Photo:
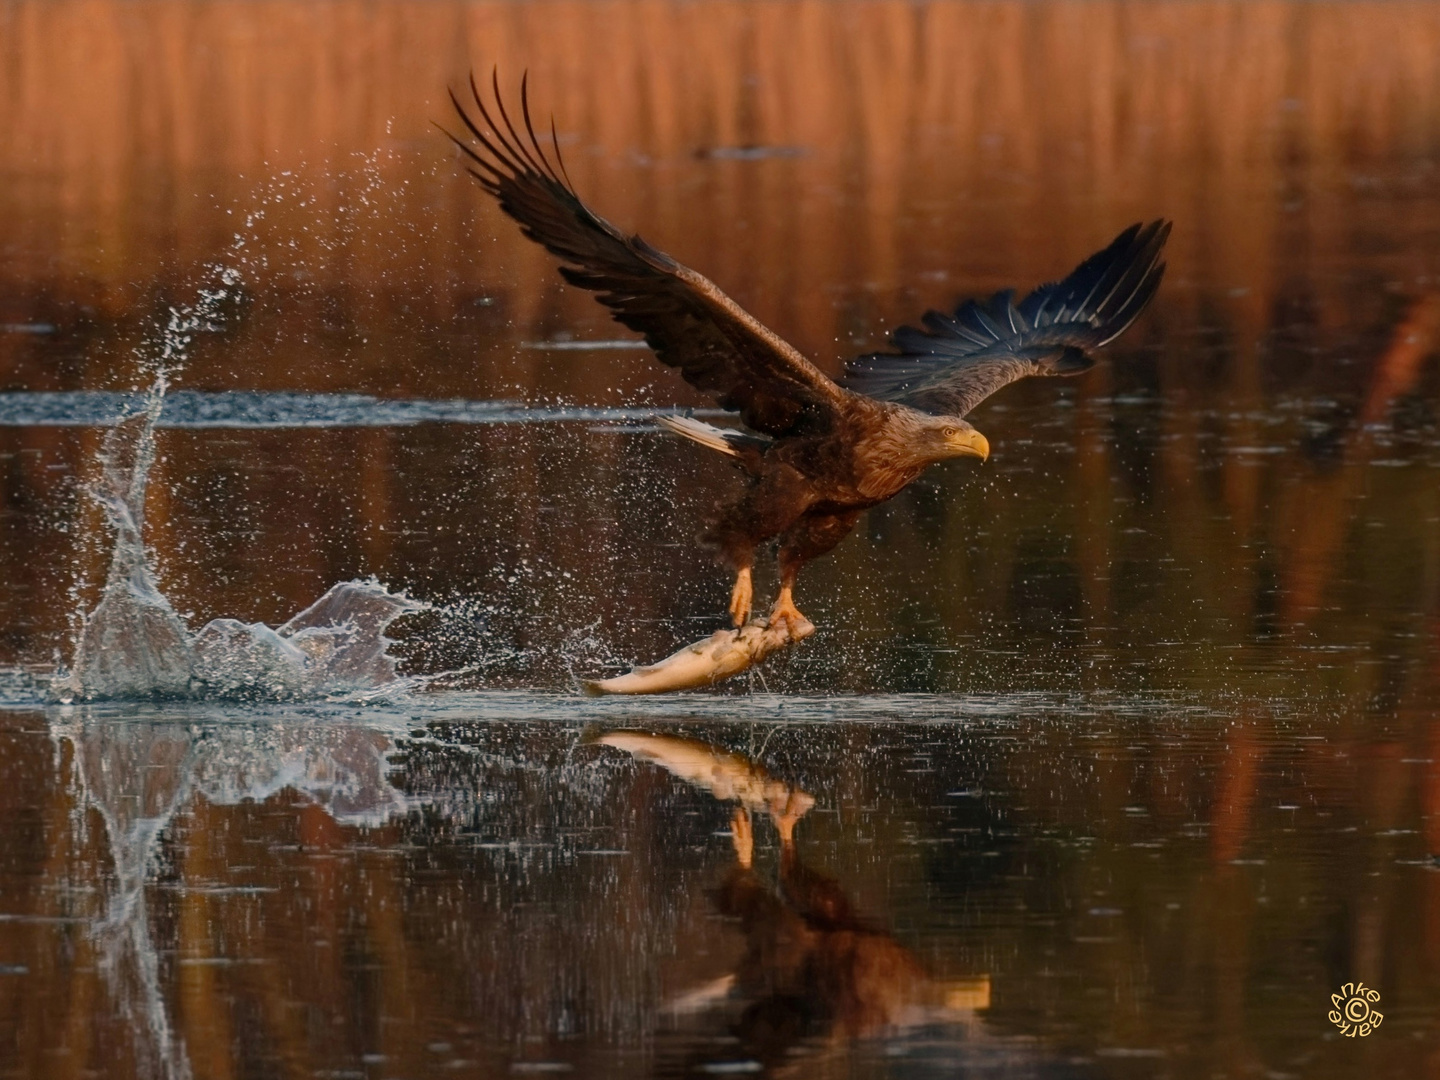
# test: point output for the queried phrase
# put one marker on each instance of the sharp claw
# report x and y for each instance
(739, 613)
(740, 598)
(786, 611)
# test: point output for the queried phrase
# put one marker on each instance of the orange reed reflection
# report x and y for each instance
(1319, 510)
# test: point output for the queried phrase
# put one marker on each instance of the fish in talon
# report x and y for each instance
(707, 661)
(786, 611)
(816, 452)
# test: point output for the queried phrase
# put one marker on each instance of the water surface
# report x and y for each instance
(988, 886)
(1121, 746)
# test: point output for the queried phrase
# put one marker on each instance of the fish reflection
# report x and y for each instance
(139, 776)
(816, 974)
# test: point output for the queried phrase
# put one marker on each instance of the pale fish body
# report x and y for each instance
(719, 656)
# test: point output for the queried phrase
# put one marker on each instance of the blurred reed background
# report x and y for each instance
(936, 148)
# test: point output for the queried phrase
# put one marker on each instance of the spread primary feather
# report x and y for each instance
(818, 452)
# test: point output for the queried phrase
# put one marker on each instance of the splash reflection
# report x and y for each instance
(137, 777)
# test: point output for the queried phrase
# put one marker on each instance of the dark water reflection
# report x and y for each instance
(994, 887)
(1130, 761)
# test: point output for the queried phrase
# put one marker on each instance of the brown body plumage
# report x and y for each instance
(819, 452)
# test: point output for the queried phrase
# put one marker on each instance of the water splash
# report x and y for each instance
(134, 646)
(584, 650)
(335, 646)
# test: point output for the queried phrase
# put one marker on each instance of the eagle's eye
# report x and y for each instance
(951, 432)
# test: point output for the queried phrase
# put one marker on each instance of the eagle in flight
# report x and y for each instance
(818, 452)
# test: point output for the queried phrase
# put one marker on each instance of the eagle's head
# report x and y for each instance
(948, 436)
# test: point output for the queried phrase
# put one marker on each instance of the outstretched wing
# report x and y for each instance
(959, 360)
(691, 324)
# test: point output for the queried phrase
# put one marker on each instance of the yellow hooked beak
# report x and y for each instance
(970, 444)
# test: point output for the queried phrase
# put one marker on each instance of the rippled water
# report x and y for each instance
(242, 409)
(1114, 756)
(983, 886)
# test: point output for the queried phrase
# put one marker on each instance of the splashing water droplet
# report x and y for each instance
(134, 645)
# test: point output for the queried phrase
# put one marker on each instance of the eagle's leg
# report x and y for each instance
(742, 596)
(808, 538)
(784, 608)
(773, 504)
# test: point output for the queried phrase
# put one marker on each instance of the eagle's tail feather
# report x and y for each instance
(727, 442)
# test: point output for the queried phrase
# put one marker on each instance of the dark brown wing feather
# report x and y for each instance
(959, 360)
(691, 324)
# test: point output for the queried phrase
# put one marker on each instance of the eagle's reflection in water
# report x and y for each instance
(815, 974)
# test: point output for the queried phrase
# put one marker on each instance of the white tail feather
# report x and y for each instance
(699, 431)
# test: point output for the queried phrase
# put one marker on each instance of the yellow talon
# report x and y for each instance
(785, 609)
(741, 597)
